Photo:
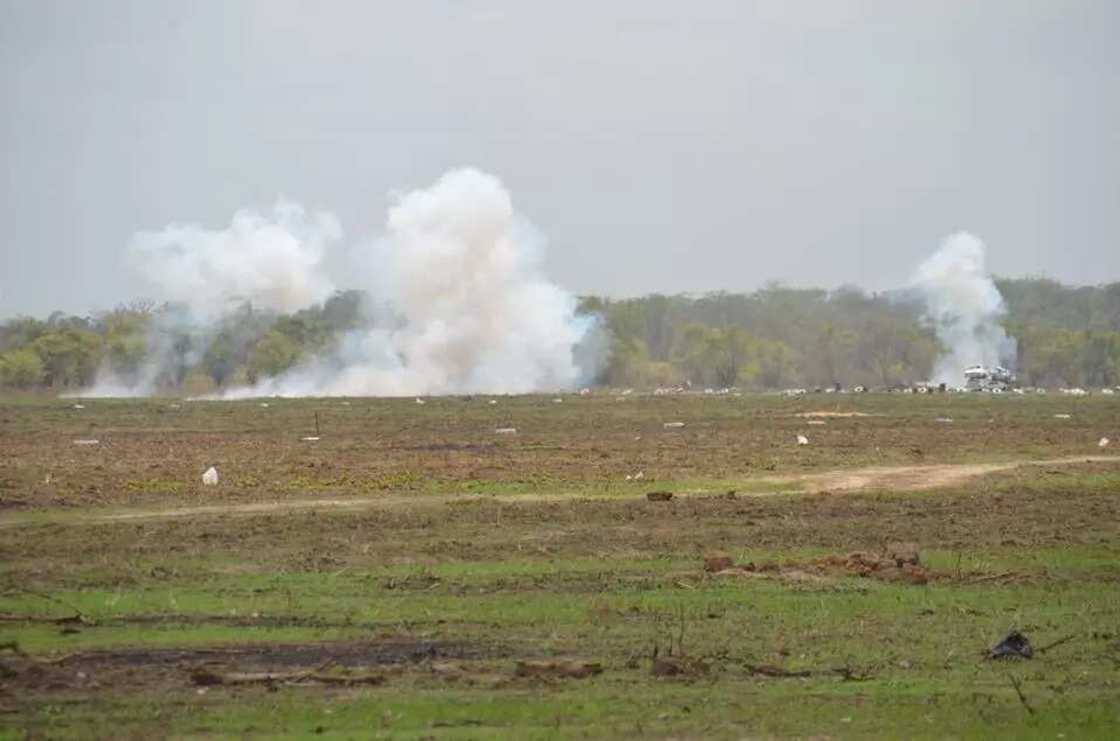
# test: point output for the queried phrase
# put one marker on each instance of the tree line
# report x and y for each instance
(776, 337)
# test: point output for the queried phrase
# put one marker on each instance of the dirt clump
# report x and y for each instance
(714, 564)
(564, 669)
(900, 564)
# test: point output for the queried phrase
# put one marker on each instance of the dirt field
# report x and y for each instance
(415, 573)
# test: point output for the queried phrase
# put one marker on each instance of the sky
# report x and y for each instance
(659, 146)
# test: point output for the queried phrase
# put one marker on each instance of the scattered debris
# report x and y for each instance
(570, 669)
(210, 478)
(1014, 645)
(78, 406)
(557, 400)
(900, 564)
(815, 422)
(506, 431)
(76, 619)
(419, 401)
(810, 415)
(1062, 416)
(86, 442)
(659, 496)
(263, 405)
(1103, 443)
(945, 420)
(636, 477)
(802, 440)
(777, 672)
(206, 678)
(310, 439)
(672, 425)
(493, 401)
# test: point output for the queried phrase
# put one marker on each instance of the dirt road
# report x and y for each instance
(881, 478)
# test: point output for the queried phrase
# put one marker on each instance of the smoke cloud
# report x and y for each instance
(965, 308)
(275, 262)
(457, 299)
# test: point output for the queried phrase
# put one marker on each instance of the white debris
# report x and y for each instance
(493, 401)
(176, 406)
(264, 405)
(672, 425)
(945, 420)
(78, 406)
(344, 403)
(815, 422)
(506, 431)
(1103, 442)
(1062, 416)
(210, 478)
(585, 392)
(636, 477)
(1075, 391)
(86, 442)
(802, 440)
(310, 439)
(419, 401)
(47, 479)
(557, 400)
(1107, 392)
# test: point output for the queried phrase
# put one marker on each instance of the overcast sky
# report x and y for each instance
(659, 145)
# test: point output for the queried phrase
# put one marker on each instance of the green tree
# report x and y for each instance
(274, 354)
(21, 369)
(70, 356)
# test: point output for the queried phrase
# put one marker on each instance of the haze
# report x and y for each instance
(659, 146)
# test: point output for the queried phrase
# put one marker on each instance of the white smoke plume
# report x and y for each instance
(474, 313)
(462, 304)
(965, 308)
(274, 262)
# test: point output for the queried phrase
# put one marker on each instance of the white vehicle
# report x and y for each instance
(996, 378)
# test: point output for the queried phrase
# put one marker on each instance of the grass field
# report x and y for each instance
(415, 574)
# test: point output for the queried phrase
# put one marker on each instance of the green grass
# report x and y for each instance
(599, 573)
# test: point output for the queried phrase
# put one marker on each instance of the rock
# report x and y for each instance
(1014, 646)
(802, 440)
(210, 478)
(659, 496)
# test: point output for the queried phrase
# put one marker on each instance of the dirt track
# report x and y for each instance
(893, 478)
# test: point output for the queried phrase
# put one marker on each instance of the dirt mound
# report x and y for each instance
(898, 564)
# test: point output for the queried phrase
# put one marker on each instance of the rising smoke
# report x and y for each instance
(965, 307)
(463, 305)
